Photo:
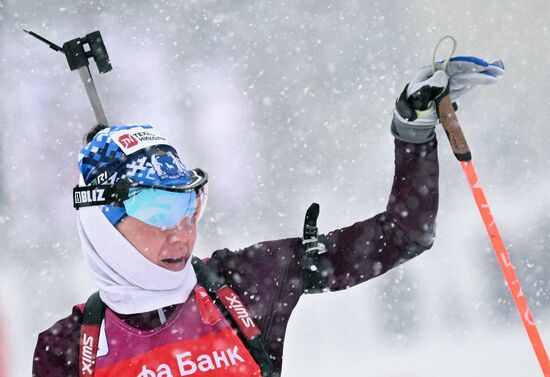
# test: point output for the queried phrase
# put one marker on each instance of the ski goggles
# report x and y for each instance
(160, 206)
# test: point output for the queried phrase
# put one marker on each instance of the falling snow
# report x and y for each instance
(286, 103)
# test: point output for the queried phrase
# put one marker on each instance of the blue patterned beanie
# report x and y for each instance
(136, 152)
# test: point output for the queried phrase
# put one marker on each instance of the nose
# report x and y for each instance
(179, 233)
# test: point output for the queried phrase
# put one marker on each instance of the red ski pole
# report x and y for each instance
(462, 153)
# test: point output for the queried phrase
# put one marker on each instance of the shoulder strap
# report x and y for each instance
(94, 312)
(315, 278)
(237, 313)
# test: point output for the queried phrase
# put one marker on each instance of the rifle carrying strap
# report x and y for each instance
(94, 312)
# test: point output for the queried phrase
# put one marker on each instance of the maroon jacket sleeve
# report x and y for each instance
(56, 352)
(407, 228)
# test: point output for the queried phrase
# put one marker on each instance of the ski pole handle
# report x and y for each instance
(446, 112)
(452, 128)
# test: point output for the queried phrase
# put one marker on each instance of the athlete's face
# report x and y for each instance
(168, 248)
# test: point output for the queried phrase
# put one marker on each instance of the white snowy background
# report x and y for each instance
(285, 103)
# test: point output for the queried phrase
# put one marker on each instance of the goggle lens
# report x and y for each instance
(165, 209)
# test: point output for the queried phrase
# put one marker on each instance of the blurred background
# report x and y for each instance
(285, 103)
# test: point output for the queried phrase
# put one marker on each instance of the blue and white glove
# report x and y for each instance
(467, 72)
(415, 115)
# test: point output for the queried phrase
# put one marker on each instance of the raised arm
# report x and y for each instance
(404, 230)
(407, 227)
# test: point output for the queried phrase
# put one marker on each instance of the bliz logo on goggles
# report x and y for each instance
(90, 196)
